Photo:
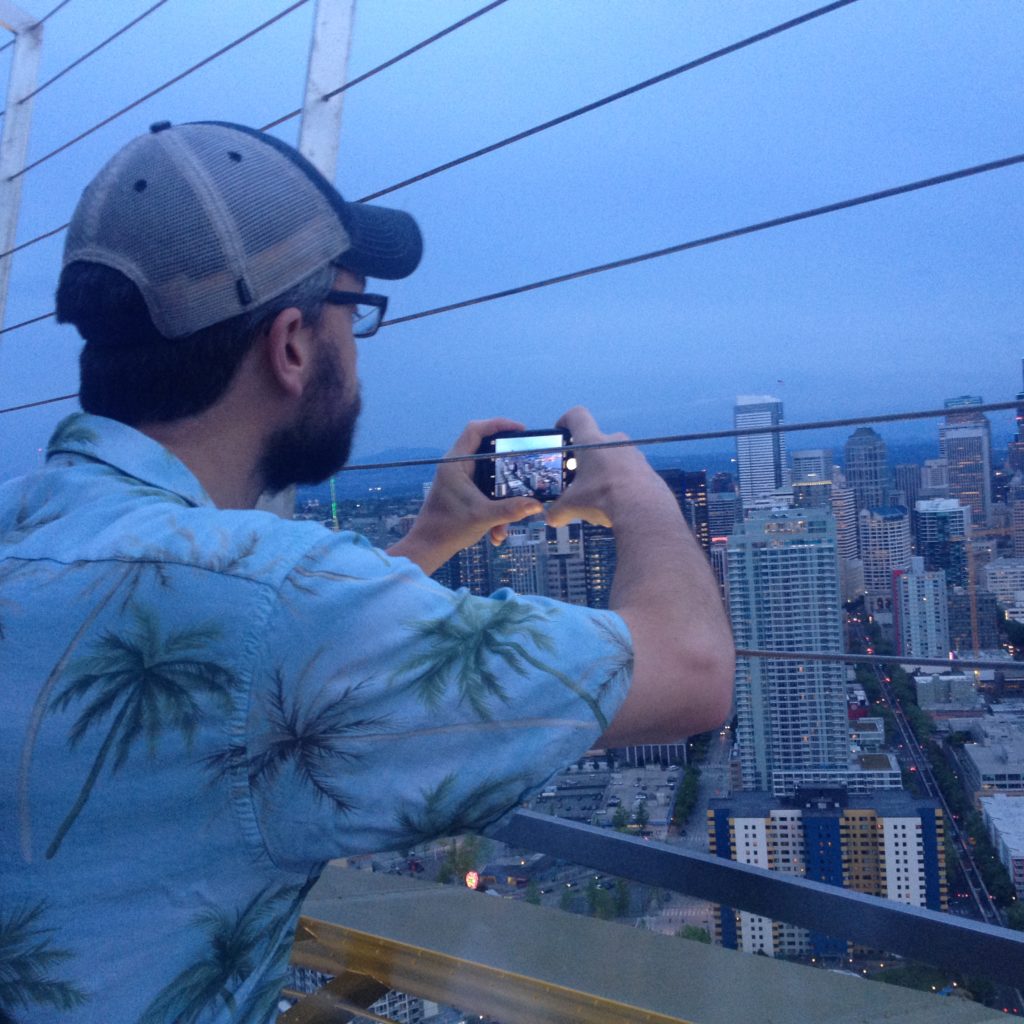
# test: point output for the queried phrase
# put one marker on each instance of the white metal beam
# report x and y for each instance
(328, 66)
(13, 18)
(15, 133)
(321, 127)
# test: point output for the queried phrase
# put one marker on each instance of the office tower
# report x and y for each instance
(884, 549)
(540, 559)
(470, 568)
(599, 561)
(723, 512)
(965, 442)
(783, 578)
(934, 479)
(1015, 499)
(691, 493)
(942, 528)
(812, 477)
(866, 468)
(844, 511)
(1015, 452)
(972, 620)
(760, 458)
(719, 556)
(921, 615)
(565, 577)
(906, 485)
(882, 844)
(1004, 578)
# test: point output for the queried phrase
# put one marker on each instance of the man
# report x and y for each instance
(203, 703)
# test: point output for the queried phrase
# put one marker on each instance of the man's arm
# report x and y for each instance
(457, 513)
(663, 588)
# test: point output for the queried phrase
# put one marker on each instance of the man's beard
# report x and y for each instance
(317, 444)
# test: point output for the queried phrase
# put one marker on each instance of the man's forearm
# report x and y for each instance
(665, 591)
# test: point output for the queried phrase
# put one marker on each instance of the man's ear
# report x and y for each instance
(289, 348)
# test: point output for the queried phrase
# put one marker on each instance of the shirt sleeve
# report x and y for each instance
(389, 710)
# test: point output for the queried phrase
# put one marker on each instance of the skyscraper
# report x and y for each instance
(866, 468)
(884, 549)
(784, 595)
(965, 442)
(761, 458)
(691, 492)
(907, 485)
(812, 477)
(1015, 451)
(941, 529)
(844, 511)
(599, 561)
(921, 616)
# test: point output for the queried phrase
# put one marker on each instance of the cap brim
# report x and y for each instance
(385, 243)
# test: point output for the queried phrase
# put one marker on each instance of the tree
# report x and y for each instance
(642, 817)
(149, 684)
(692, 932)
(532, 893)
(623, 895)
(620, 819)
(461, 857)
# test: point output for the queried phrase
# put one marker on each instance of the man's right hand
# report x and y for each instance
(608, 480)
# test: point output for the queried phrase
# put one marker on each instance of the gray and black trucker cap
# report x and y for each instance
(211, 219)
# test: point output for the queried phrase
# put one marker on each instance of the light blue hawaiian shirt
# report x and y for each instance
(199, 707)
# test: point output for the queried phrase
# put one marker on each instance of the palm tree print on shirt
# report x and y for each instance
(464, 648)
(238, 942)
(443, 812)
(312, 737)
(27, 957)
(150, 684)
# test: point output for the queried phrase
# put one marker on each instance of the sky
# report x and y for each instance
(891, 306)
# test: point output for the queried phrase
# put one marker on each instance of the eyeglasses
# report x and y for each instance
(367, 310)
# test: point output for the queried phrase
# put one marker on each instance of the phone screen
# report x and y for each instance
(526, 475)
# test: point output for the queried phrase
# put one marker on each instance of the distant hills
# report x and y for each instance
(353, 483)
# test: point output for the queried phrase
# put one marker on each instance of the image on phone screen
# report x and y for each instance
(527, 475)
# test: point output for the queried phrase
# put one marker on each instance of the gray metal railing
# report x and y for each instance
(944, 940)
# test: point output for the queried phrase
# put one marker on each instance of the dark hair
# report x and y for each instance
(132, 373)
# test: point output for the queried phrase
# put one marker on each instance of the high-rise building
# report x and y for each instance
(941, 531)
(866, 467)
(844, 511)
(883, 844)
(783, 577)
(540, 559)
(906, 486)
(965, 442)
(691, 492)
(761, 458)
(812, 477)
(921, 615)
(972, 620)
(1015, 451)
(724, 511)
(884, 549)
(599, 561)
(470, 568)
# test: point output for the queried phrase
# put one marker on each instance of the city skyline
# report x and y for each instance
(860, 312)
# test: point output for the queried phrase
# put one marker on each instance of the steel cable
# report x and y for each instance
(764, 225)
(159, 89)
(85, 56)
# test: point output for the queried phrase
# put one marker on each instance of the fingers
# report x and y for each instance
(475, 431)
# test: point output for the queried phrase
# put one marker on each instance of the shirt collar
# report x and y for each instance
(127, 450)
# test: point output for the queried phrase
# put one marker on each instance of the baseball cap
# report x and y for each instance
(212, 219)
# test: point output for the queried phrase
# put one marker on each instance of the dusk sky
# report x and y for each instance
(891, 306)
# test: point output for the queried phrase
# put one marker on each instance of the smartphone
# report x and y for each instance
(542, 476)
